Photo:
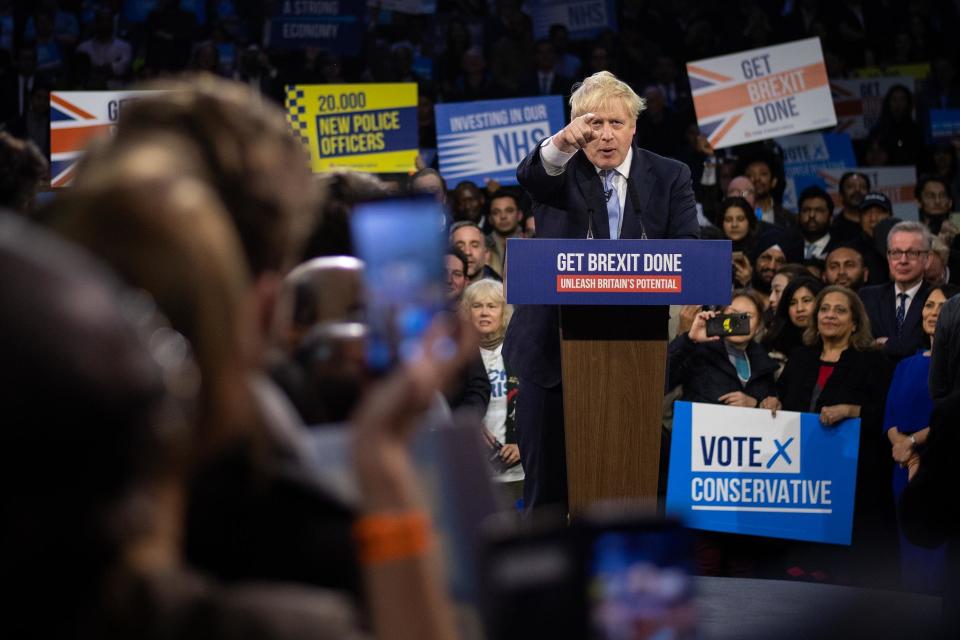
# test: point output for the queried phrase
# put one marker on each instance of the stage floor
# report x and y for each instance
(739, 608)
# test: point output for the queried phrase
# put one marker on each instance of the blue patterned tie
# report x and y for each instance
(613, 202)
(901, 313)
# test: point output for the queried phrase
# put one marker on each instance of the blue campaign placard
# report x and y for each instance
(944, 124)
(807, 155)
(333, 25)
(618, 272)
(739, 470)
(584, 19)
(487, 139)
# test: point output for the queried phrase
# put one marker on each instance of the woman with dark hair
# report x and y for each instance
(906, 425)
(897, 132)
(792, 316)
(738, 223)
(837, 374)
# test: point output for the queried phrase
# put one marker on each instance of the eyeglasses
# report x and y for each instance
(912, 254)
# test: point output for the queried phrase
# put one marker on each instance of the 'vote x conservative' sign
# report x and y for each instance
(741, 470)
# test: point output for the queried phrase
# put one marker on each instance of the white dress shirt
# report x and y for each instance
(555, 162)
(911, 294)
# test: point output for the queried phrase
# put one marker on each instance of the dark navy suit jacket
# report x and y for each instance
(659, 204)
(880, 303)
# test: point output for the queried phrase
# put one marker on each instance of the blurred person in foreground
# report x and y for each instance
(251, 514)
(906, 424)
(23, 171)
(486, 308)
(121, 481)
(838, 374)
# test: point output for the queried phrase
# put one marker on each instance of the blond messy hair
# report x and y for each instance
(599, 90)
(487, 290)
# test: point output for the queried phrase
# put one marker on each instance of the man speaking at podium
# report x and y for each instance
(589, 180)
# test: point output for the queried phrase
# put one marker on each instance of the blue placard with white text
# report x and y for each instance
(739, 470)
(584, 19)
(487, 139)
(618, 272)
(331, 25)
(805, 158)
(944, 124)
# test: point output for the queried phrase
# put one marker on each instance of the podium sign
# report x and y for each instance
(612, 297)
(618, 272)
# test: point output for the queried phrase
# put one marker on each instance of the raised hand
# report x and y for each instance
(576, 135)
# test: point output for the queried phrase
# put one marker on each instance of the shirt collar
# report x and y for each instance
(911, 292)
(624, 168)
(819, 243)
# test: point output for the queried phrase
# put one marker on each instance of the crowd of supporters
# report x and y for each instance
(202, 199)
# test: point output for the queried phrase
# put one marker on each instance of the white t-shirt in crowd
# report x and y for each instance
(495, 420)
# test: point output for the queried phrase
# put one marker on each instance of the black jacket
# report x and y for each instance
(861, 378)
(706, 373)
(659, 203)
(880, 304)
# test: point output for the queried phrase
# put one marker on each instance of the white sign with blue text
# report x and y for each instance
(487, 139)
(739, 470)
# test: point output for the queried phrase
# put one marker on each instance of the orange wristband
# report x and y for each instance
(383, 538)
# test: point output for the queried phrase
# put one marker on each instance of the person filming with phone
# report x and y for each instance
(719, 361)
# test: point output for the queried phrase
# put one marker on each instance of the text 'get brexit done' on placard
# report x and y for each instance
(618, 272)
(739, 470)
(762, 93)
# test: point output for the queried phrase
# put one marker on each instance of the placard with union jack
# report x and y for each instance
(75, 118)
(859, 101)
(762, 93)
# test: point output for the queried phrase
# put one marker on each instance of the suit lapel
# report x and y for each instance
(912, 318)
(592, 189)
(888, 310)
(640, 184)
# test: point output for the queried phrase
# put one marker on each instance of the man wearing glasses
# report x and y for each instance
(894, 308)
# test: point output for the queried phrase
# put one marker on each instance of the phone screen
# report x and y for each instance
(402, 244)
(639, 583)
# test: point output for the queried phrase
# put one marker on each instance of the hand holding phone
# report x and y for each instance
(742, 270)
(402, 246)
(728, 324)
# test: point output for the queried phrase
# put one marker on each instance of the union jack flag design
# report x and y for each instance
(761, 93)
(75, 118)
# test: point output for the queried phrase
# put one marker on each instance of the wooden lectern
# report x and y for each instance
(614, 365)
(613, 297)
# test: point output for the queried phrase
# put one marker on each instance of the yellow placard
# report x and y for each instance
(365, 127)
